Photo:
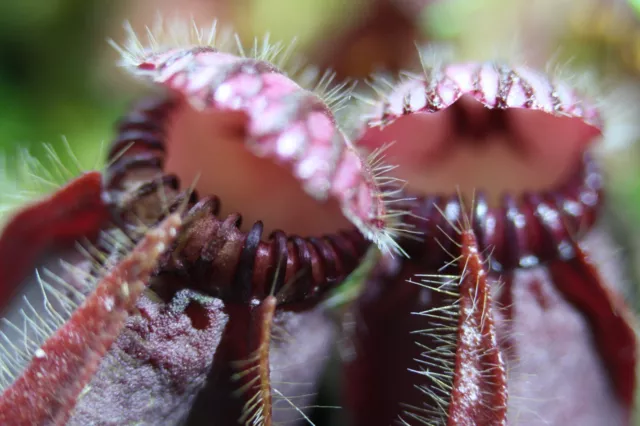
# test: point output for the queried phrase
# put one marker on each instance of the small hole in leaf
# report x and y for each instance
(198, 315)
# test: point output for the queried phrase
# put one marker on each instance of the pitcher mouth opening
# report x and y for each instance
(236, 252)
(286, 118)
(209, 149)
(510, 142)
(469, 147)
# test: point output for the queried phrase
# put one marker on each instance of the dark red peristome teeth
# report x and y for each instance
(214, 251)
(522, 232)
(143, 128)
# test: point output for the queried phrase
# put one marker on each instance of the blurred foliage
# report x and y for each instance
(46, 51)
